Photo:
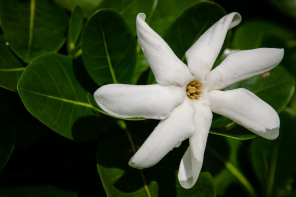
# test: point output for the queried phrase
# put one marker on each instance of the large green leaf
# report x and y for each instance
(121, 180)
(108, 48)
(275, 87)
(33, 27)
(75, 29)
(183, 33)
(274, 161)
(251, 34)
(10, 67)
(87, 6)
(29, 191)
(129, 9)
(51, 91)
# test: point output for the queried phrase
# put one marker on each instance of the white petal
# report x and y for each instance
(202, 55)
(168, 69)
(168, 134)
(246, 109)
(192, 160)
(146, 101)
(242, 65)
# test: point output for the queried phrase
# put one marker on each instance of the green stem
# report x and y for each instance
(123, 126)
(244, 181)
(272, 169)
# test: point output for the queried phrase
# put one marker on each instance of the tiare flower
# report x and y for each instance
(185, 96)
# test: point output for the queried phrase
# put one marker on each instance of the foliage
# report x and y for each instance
(55, 54)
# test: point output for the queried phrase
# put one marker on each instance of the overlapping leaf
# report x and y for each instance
(121, 180)
(51, 91)
(108, 48)
(33, 27)
(10, 67)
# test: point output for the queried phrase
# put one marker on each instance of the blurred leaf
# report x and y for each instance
(286, 6)
(50, 90)
(161, 180)
(275, 87)
(108, 48)
(7, 140)
(33, 27)
(87, 6)
(75, 29)
(250, 34)
(141, 66)
(30, 191)
(10, 67)
(186, 30)
(274, 161)
(130, 9)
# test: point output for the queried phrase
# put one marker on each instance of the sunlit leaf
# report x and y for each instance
(108, 48)
(10, 67)
(33, 27)
(51, 91)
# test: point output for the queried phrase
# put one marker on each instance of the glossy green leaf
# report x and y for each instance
(87, 6)
(10, 67)
(75, 29)
(130, 9)
(108, 48)
(274, 161)
(121, 180)
(42, 190)
(165, 12)
(33, 27)
(275, 87)
(251, 34)
(51, 91)
(191, 25)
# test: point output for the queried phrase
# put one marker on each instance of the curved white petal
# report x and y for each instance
(146, 101)
(168, 69)
(203, 53)
(168, 134)
(246, 109)
(242, 65)
(192, 160)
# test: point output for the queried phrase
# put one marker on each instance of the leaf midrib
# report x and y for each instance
(32, 24)
(60, 99)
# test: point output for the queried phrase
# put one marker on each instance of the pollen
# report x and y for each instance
(193, 90)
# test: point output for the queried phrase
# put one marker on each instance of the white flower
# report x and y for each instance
(185, 97)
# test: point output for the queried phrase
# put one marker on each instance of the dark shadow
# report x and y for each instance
(83, 77)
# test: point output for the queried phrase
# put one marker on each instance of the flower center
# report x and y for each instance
(193, 90)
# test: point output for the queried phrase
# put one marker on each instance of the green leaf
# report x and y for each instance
(108, 48)
(33, 27)
(275, 87)
(161, 180)
(130, 9)
(51, 91)
(274, 161)
(75, 29)
(87, 6)
(42, 190)
(165, 12)
(184, 32)
(250, 34)
(10, 67)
